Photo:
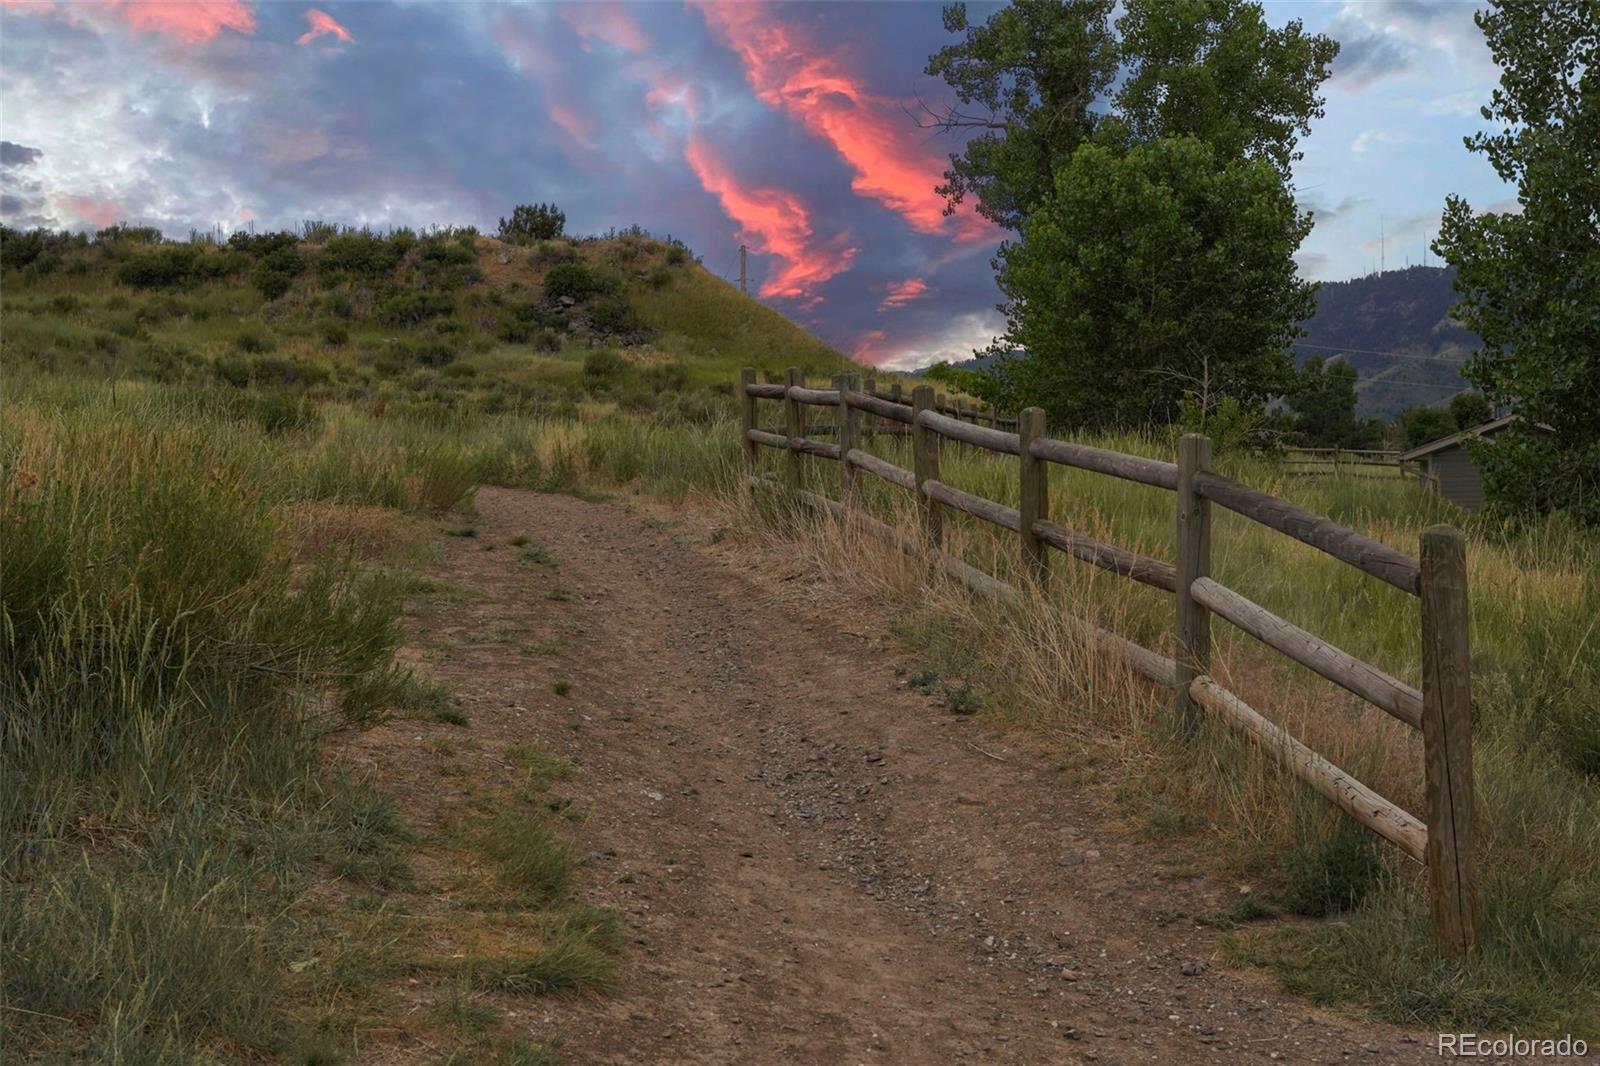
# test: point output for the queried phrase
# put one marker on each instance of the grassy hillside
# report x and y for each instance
(445, 323)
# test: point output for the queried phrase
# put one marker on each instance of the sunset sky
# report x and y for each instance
(783, 126)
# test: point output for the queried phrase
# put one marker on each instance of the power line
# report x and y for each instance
(1360, 382)
(1371, 351)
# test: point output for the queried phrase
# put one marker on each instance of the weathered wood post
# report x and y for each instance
(894, 395)
(747, 417)
(1193, 652)
(925, 453)
(1447, 739)
(870, 423)
(1034, 500)
(795, 424)
(848, 427)
(939, 406)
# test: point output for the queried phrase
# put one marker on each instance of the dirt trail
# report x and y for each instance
(811, 861)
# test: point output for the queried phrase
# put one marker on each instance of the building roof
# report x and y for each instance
(1494, 425)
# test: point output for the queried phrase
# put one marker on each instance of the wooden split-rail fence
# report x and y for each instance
(1441, 840)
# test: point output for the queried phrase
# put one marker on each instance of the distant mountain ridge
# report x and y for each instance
(1394, 328)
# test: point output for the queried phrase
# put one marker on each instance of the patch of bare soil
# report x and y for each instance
(810, 861)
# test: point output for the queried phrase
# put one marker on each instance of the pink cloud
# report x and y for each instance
(322, 25)
(904, 292)
(606, 22)
(871, 133)
(774, 222)
(189, 21)
(93, 210)
(570, 122)
(871, 348)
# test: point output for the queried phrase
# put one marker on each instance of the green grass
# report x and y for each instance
(528, 853)
(575, 953)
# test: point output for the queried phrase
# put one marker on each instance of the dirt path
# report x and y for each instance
(812, 862)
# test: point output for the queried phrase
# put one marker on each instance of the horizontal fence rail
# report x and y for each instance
(1441, 709)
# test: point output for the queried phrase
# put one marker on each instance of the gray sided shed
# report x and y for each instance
(1446, 468)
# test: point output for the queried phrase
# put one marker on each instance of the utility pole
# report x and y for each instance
(742, 290)
(1381, 265)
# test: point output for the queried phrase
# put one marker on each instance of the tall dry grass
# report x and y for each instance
(1536, 658)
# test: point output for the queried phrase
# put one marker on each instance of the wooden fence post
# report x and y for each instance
(870, 387)
(1447, 739)
(848, 424)
(925, 453)
(1193, 653)
(795, 424)
(1034, 500)
(747, 417)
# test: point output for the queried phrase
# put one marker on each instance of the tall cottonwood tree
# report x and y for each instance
(1529, 279)
(1156, 227)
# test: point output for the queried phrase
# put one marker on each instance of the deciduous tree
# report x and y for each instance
(1156, 228)
(1529, 279)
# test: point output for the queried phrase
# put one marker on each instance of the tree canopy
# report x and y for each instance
(533, 222)
(1529, 279)
(1156, 229)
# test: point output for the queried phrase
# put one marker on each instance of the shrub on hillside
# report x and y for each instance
(261, 244)
(668, 377)
(603, 366)
(580, 282)
(533, 222)
(252, 342)
(448, 264)
(614, 315)
(518, 323)
(412, 308)
(125, 234)
(435, 353)
(276, 271)
(676, 254)
(335, 334)
(18, 249)
(547, 340)
(168, 267)
(572, 279)
(362, 253)
(315, 231)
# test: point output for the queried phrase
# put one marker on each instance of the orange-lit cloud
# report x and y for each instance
(903, 292)
(773, 222)
(189, 21)
(322, 25)
(871, 349)
(605, 22)
(578, 127)
(95, 211)
(870, 132)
